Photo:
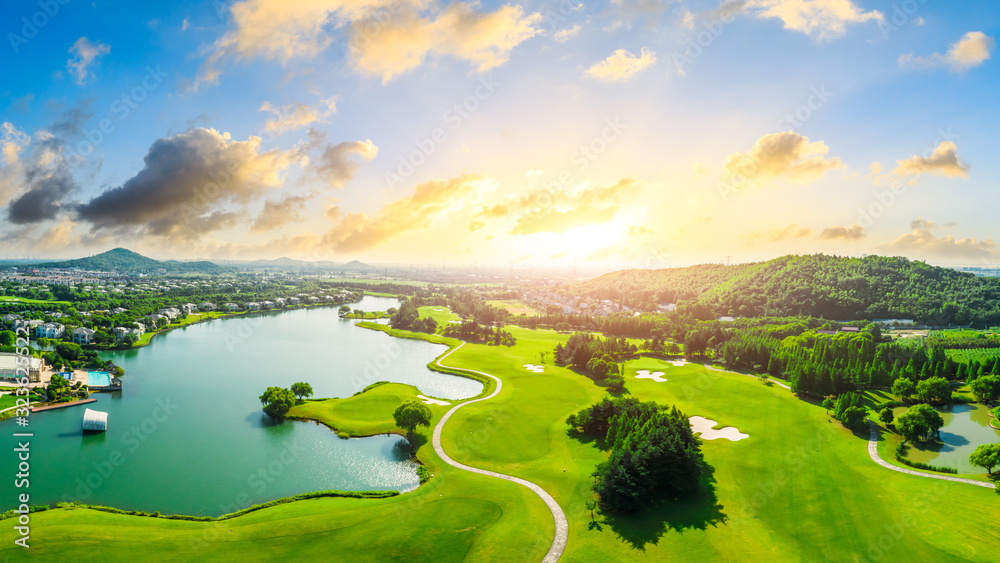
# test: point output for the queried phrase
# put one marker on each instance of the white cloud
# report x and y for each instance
(621, 65)
(297, 115)
(820, 19)
(943, 161)
(564, 35)
(775, 156)
(383, 37)
(972, 50)
(921, 243)
(84, 54)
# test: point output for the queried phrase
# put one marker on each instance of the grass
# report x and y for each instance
(13, 299)
(801, 488)
(516, 307)
(442, 315)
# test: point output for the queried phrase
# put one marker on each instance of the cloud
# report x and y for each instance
(972, 50)
(191, 184)
(382, 37)
(780, 156)
(563, 212)
(921, 243)
(621, 65)
(854, 232)
(297, 115)
(943, 161)
(277, 214)
(13, 142)
(334, 166)
(84, 54)
(565, 34)
(822, 20)
(559, 255)
(790, 232)
(921, 223)
(476, 225)
(600, 254)
(430, 202)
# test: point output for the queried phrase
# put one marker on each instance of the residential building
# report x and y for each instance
(189, 308)
(9, 364)
(252, 306)
(207, 306)
(170, 312)
(50, 330)
(83, 336)
(232, 307)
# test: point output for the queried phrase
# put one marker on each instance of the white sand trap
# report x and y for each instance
(429, 401)
(535, 368)
(703, 426)
(655, 376)
(679, 363)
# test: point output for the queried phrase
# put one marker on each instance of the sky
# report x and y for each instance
(629, 133)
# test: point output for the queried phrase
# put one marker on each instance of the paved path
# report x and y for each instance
(562, 528)
(873, 452)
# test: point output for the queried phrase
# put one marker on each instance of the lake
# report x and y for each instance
(966, 426)
(187, 435)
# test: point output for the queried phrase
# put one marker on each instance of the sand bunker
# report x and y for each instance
(703, 426)
(429, 401)
(535, 368)
(645, 374)
(679, 363)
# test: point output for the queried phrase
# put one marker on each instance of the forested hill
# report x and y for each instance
(818, 285)
(123, 260)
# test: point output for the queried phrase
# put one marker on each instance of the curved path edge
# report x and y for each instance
(558, 517)
(873, 453)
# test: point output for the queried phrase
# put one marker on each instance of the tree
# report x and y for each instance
(986, 456)
(277, 402)
(103, 338)
(919, 423)
(886, 416)
(986, 388)
(131, 339)
(903, 388)
(828, 404)
(359, 313)
(934, 390)
(411, 414)
(302, 390)
(344, 310)
(854, 418)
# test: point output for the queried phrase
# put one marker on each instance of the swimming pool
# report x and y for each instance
(98, 379)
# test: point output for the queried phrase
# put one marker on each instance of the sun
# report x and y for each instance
(574, 244)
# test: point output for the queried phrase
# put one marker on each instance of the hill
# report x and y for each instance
(356, 265)
(818, 285)
(124, 260)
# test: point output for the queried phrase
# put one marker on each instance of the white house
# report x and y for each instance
(252, 306)
(232, 307)
(267, 304)
(189, 308)
(170, 312)
(83, 336)
(50, 330)
(121, 332)
(28, 325)
(207, 306)
(119, 310)
(280, 301)
(294, 300)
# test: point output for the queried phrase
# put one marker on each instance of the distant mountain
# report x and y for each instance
(819, 285)
(356, 265)
(124, 260)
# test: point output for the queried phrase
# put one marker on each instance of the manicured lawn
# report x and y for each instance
(440, 314)
(13, 299)
(515, 307)
(801, 488)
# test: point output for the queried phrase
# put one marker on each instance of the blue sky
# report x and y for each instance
(686, 87)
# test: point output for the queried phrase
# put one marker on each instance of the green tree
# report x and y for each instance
(854, 418)
(828, 404)
(131, 339)
(302, 389)
(919, 423)
(344, 310)
(411, 414)
(903, 388)
(886, 416)
(986, 456)
(986, 388)
(934, 390)
(277, 402)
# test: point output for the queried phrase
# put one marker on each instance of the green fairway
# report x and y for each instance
(800, 488)
(441, 314)
(13, 299)
(514, 306)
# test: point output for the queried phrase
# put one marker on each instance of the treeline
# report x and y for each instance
(817, 285)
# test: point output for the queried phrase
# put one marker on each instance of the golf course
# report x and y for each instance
(800, 488)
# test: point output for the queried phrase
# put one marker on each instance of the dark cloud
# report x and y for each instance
(277, 214)
(191, 184)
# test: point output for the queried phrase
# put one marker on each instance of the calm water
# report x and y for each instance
(187, 434)
(965, 428)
